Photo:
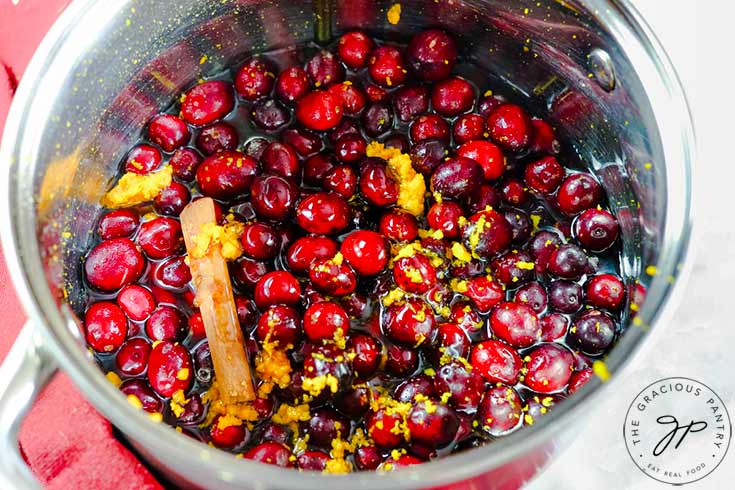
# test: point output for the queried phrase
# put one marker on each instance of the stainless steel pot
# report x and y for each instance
(593, 67)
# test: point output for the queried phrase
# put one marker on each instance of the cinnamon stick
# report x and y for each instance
(217, 305)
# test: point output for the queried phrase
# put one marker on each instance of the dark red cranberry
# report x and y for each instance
(532, 294)
(247, 272)
(537, 406)
(350, 148)
(160, 238)
(136, 301)
(277, 287)
(324, 69)
(410, 101)
(553, 326)
(319, 110)
(431, 55)
(544, 176)
(106, 326)
(514, 192)
(302, 253)
(292, 84)
(132, 358)
(254, 79)
(246, 312)
(376, 186)
(172, 200)
(323, 320)
(327, 361)
(456, 178)
(414, 274)
(305, 142)
(500, 411)
(544, 243)
(427, 155)
(579, 379)
(172, 273)
(510, 127)
(410, 323)
(226, 175)
(464, 385)
(324, 426)
(279, 323)
(568, 262)
(142, 159)
(168, 131)
(401, 361)
(323, 213)
(544, 139)
(273, 197)
(270, 431)
(271, 453)
(605, 291)
(488, 102)
(113, 264)
(452, 339)
(312, 460)
(380, 425)
(578, 192)
(452, 96)
(520, 224)
(445, 216)
(565, 296)
(398, 141)
(206, 102)
(488, 155)
(260, 241)
(255, 146)
(387, 66)
(366, 252)
(356, 306)
(401, 227)
(166, 323)
(219, 136)
(353, 48)
(549, 368)
(280, 159)
(496, 361)
(169, 368)
(515, 323)
(317, 167)
(596, 229)
(330, 277)
(346, 126)
(355, 402)
(184, 163)
(429, 126)
(367, 354)
(468, 127)
(120, 223)
(377, 119)
(487, 233)
(269, 114)
(432, 423)
(367, 458)
(592, 332)
(142, 392)
(353, 98)
(485, 195)
(484, 292)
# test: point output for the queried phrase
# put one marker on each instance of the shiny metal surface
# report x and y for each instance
(106, 67)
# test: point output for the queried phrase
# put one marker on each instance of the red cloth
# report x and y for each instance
(66, 442)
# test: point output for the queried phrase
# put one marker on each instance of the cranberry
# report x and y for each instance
(173, 273)
(401, 227)
(553, 326)
(160, 238)
(273, 197)
(168, 131)
(269, 114)
(327, 361)
(277, 287)
(592, 332)
(312, 460)
(323, 320)
(544, 139)
(172, 200)
(456, 178)
(432, 423)
(484, 196)
(367, 458)
(500, 411)
(254, 79)
(410, 101)
(271, 453)
(399, 141)
(324, 69)
(365, 251)
(132, 358)
(544, 243)
(452, 96)
(568, 262)
(431, 55)
(484, 292)
(142, 159)
(488, 155)
(302, 253)
(418, 385)
(353, 48)
(113, 264)
(487, 233)
(353, 98)
(228, 436)
(375, 93)
(323, 213)
(402, 461)
(324, 426)
(445, 216)
(464, 385)
(537, 406)
(333, 278)
(515, 323)
(401, 361)
(346, 126)
(136, 301)
(219, 136)
(510, 127)
(566, 296)
(140, 391)
(350, 148)
(605, 291)
(380, 426)
(596, 229)
(106, 326)
(367, 352)
(166, 323)
(120, 223)
(544, 176)
(377, 119)
(260, 241)
(305, 142)
(549, 368)
(281, 324)
(196, 326)
(468, 127)
(169, 368)
(280, 159)
(246, 312)
(496, 361)
(532, 294)
(319, 110)
(519, 223)
(488, 102)
(247, 272)
(226, 175)
(387, 66)
(579, 379)
(255, 147)
(206, 102)
(414, 274)
(317, 167)
(184, 163)
(292, 84)
(429, 126)
(514, 192)
(376, 185)
(427, 155)
(410, 323)
(452, 339)
(578, 192)
(270, 431)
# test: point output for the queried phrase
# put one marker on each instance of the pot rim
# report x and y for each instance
(672, 113)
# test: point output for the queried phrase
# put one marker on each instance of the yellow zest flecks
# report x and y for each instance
(133, 189)
(600, 370)
(113, 378)
(460, 253)
(243, 411)
(273, 366)
(314, 386)
(178, 400)
(182, 374)
(529, 266)
(135, 401)
(228, 420)
(287, 414)
(651, 270)
(393, 296)
(411, 184)
(338, 259)
(226, 236)
(394, 14)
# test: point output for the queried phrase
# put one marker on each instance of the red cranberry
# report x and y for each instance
(326, 360)
(414, 274)
(566, 296)
(353, 98)
(196, 326)
(519, 223)
(401, 361)
(432, 423)
(304, 251)
(279, 323)
(312, 460)
(277, 287)
(484, 196)
(323, 213)
(544, 176)
(281, 159)
(468, 127)
(464, 385)
(353, 48)
(427, 155)
(106, 326)
(120, 223)
(452, 96)
(496, 361)
(292, 84)
(317, 167)
(326, 425)
(380, 426)
(429, 126)
(226, 175)
(325, 69)
(169, 368)
(410, 101)
(350, 148)
(227, 436)
(305, 142)
(542, 246)
(568, 262)
(322, 320)
(456, 178)
(387, 66)
(377, 119)
(173, 273)
(113, 264)
(184, 163)
(217, 137)
(578, 192)
(484, 292)
(553, 326)
(160, 238)
(319, 110)
(269, 114)
(142, 392)
(254, 79)
(452, 339)
(515, 323)
(260, 241)
(420, 384)
(592, 332)
(270, 431)
(273, 197)
(136, 301)
(401, 227)
(271, 453)
(445, 216)
(206, 102)
(596, 229)
(142, 159)
(246, 312)
(247, 272)
(168, 131)
(376, 185)
(488, 102)
(367, 458)
(163, 296)
(488, 155)
(403, 460)
(510, 127)
(579, 379)
(544, 139)
(365, 251)
(410, 323)
(514, 192)
(605, 291)
(432, 55)
(367, 354)
(132, 358)
(487, 233)
(172, 200)
(549, 368)
(375, 93)
(500, 411)
(332, 278)
(166, 323)
(532, 294)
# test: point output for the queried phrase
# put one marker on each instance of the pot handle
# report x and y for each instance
(25, 371)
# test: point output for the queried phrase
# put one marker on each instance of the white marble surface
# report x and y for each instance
(699, 341)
